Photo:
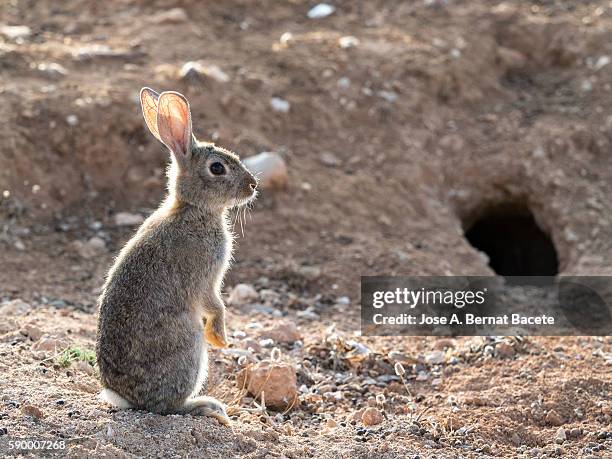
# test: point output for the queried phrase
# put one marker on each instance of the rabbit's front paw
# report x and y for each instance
(214, 332)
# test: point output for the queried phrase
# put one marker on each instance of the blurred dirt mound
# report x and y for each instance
(431, 113)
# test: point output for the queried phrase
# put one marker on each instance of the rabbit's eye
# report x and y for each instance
(217, 169)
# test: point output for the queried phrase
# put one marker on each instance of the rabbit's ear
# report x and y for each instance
(148, 101)
(174, 123)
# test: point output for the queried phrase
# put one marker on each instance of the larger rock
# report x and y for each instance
(32, 410)
(435, 357)
(50, 344)
(7, 325)
(14, 308)
(197, 71)
(560, 436)
(371, 417)
(504, 351)
(269, 168)
(31, 331)
(242, 294)
(554, 419)
(90, 248)
(128, 219)
(276, 380)
(284, 332)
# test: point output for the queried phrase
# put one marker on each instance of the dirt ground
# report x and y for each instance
(395, 143)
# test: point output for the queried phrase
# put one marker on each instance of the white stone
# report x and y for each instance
(538, 152)
(329, 159)
(286, 38)
(279, 104)
(52, 69)
(586, 86)
(269, 168)
(215, 72)
(344, 82)
(308, 314)
(171, 16)
(198, 69)
(389, 96)
(14, 32)
(601, 62)
(128, 219)
(348, 42)
(321, 10)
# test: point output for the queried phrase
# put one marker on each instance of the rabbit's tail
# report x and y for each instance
(113, 398)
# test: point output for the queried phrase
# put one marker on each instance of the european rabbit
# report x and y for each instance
(161, 301)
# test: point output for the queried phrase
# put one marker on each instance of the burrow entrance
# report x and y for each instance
(513, 241)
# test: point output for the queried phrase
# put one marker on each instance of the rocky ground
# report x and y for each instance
(399, 123)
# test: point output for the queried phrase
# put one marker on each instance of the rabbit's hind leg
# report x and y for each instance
(113, 398)
(206, 406)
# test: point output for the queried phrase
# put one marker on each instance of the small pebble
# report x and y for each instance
(435, 357)
(31, 410)
(171, 16)
(504, 351)
(371, 417)
(329, 159)
(575, 432)
(348, 42)
(560, 436)
(331, 424)
(321, 10)
(554, 419)
(280, 105)
(242, 294)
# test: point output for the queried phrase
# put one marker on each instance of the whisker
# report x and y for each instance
(240, 211)
(237, 212)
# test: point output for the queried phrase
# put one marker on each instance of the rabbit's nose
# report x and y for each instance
(253, 185)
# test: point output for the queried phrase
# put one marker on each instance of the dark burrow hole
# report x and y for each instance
(514, 243)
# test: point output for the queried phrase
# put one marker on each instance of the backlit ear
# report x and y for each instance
(148, 101)
(174, 123)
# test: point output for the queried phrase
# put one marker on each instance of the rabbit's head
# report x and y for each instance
(201, 174)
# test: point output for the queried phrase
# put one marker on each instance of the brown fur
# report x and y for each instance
(168, 277)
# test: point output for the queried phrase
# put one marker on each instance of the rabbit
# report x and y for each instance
(161, 302)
